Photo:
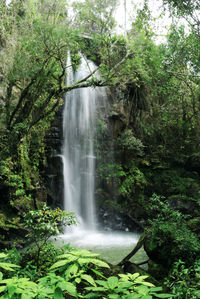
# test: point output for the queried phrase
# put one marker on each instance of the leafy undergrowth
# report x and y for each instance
(73, 274)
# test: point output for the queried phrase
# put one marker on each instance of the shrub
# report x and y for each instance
(184, 281)
(44, 223)
(169, 238)
(73, 268)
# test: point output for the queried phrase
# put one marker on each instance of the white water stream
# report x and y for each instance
(78, 149)
(79, 119)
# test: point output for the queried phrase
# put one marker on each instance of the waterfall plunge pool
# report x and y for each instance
(112, 246)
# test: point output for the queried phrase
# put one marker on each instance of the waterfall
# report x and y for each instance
(78, 147)
(78, 153)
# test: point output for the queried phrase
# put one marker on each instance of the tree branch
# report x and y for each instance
(139, 244)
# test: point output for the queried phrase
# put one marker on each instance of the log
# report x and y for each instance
(143, 263)
(139, 244)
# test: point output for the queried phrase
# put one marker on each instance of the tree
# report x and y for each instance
(45, 223)
(94, 16)
(34, 64)
(33, 68)
(36, 38)
(183, 7)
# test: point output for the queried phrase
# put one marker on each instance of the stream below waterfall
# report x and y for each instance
(112, 246)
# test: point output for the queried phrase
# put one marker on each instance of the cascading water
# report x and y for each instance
(78, 150)
(81, 107)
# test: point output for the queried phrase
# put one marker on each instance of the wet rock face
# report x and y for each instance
(54, 167)
(54, 138)
(112, 220)
(54, 180)
(117, 117)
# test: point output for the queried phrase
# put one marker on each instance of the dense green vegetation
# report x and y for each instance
(153, 173)
(76, 274)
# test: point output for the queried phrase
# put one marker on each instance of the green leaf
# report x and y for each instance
(77, 280)
(125, 284)
(28, 295)
(3, 255)
(128, 276)
(142, 277)
(95, 289)
(142, 290)
(93, 295)
(85, 253)
(44, 291)
(163, 295)
(89, 279)
(96, 262)
(59, 264)
(135, 296)
(146, 283)
(69, 287)
(1, 276)
(112, 282)
(98, 273)
(2, 289)
(102, 283)
(11, 290)
(71, 270)
(156, 289)
(69, 257)
(8, 266)
(42, 296)
(58, 294)
(114, 296)
(134, 276)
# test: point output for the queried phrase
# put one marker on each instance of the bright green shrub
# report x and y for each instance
(184, 282)
(69, 278)
(126, 287)
(79, 266)
(44, 223)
